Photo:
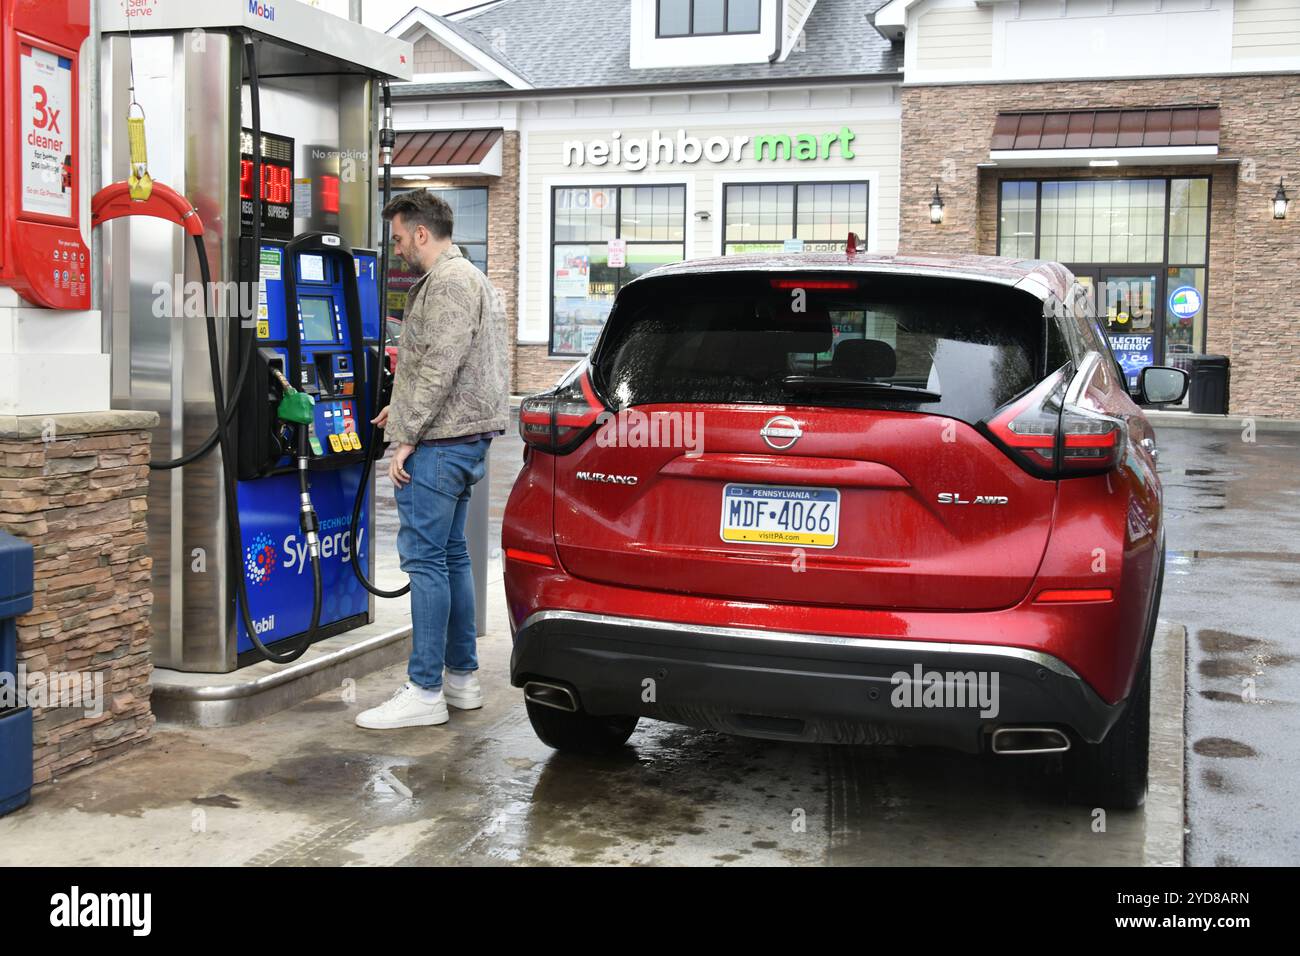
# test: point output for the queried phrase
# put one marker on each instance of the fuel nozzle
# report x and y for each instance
(295, 406)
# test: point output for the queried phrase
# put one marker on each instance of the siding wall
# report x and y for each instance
(955, 39)
(1264, 28)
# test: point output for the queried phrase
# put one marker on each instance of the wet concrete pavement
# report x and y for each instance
(306, 786)
(1233, 577)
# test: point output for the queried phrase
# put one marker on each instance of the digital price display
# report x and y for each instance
(329, 194)
(277, 184)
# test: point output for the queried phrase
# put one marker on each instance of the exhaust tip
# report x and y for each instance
(555, 696)
(1029, 740)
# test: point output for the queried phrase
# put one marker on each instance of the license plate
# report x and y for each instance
(786, 516)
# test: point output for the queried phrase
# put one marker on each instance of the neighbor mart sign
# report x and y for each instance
(633, 153)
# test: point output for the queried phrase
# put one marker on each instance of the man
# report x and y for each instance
(449, 400)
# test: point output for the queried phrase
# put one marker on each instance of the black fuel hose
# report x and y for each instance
(229, 482)
(210, 442)
(307, 514)
(386, 142)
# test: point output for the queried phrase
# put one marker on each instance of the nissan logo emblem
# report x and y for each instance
(781, 432)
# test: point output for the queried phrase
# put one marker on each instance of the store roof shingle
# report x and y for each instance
(572, 44)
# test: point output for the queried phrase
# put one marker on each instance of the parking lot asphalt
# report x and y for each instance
(1232, 508)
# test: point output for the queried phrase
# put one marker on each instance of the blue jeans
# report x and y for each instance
(432, 508)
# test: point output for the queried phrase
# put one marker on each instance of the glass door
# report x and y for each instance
(1129, 313)
(1127, 306)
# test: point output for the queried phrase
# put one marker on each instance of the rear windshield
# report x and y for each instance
(959, 348)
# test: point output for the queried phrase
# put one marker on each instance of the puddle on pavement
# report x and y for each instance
(1185, 557)
(1222, 642)
(1234, 656)
(223, 800)
(1223, 747)
(1223, 697)
(1215, 781)
(147, 779)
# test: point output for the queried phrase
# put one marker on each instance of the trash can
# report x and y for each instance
(15, 721)
(1209, 387)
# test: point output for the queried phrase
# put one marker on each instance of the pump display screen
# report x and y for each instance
(317, 319)
(311, 268)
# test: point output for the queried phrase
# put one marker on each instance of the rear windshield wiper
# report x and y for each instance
(814, 383)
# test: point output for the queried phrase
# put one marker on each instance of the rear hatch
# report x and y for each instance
(809, 439)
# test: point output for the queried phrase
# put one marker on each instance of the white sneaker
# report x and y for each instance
(462, 690)
(406, 708)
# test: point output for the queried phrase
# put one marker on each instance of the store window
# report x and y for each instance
(469, 210)
(1019, 220)
(1140, 246)
(759, 217)
(681, 18)
(593, 229)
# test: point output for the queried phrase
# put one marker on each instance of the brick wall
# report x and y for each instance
(536, 371)
(1252, 300)
(76, 487)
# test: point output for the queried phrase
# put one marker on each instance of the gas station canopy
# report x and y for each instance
(355, 48)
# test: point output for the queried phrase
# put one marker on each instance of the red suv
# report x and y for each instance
(845, 499)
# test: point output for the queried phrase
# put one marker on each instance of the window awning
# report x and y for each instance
(1177, 134)
(448, 152)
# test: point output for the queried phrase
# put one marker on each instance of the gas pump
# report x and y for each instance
(320, 337)
(256, 549)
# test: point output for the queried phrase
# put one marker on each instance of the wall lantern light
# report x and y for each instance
(936, 206)
(1280, 200)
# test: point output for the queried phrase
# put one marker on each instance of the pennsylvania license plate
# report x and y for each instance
(787, 516)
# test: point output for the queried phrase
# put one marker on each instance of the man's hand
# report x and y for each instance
(400, 454)
(381, 419)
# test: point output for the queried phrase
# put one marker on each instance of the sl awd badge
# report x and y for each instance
(955, 498)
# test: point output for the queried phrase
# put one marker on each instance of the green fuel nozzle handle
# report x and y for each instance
(295, 406)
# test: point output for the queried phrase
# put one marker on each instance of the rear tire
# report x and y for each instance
(1113, 773)
(579, 732)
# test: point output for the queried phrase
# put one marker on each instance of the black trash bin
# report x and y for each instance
(1209, 387)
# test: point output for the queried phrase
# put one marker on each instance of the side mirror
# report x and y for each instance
(1159, 385)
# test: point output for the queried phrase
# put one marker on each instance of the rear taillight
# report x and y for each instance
(1053, 439)
(1027, 428)
(557, 421)
(1090, 441)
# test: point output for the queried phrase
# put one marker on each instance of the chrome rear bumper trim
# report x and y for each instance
(1047, 661)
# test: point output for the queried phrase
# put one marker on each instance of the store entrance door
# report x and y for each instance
(1127, 302)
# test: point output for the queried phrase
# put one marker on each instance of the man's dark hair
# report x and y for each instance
(422, 208)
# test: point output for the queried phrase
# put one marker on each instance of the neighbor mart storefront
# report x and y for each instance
(602, 234)
(1158, 191)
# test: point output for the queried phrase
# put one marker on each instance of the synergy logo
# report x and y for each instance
(263, 10)
(259, 560)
